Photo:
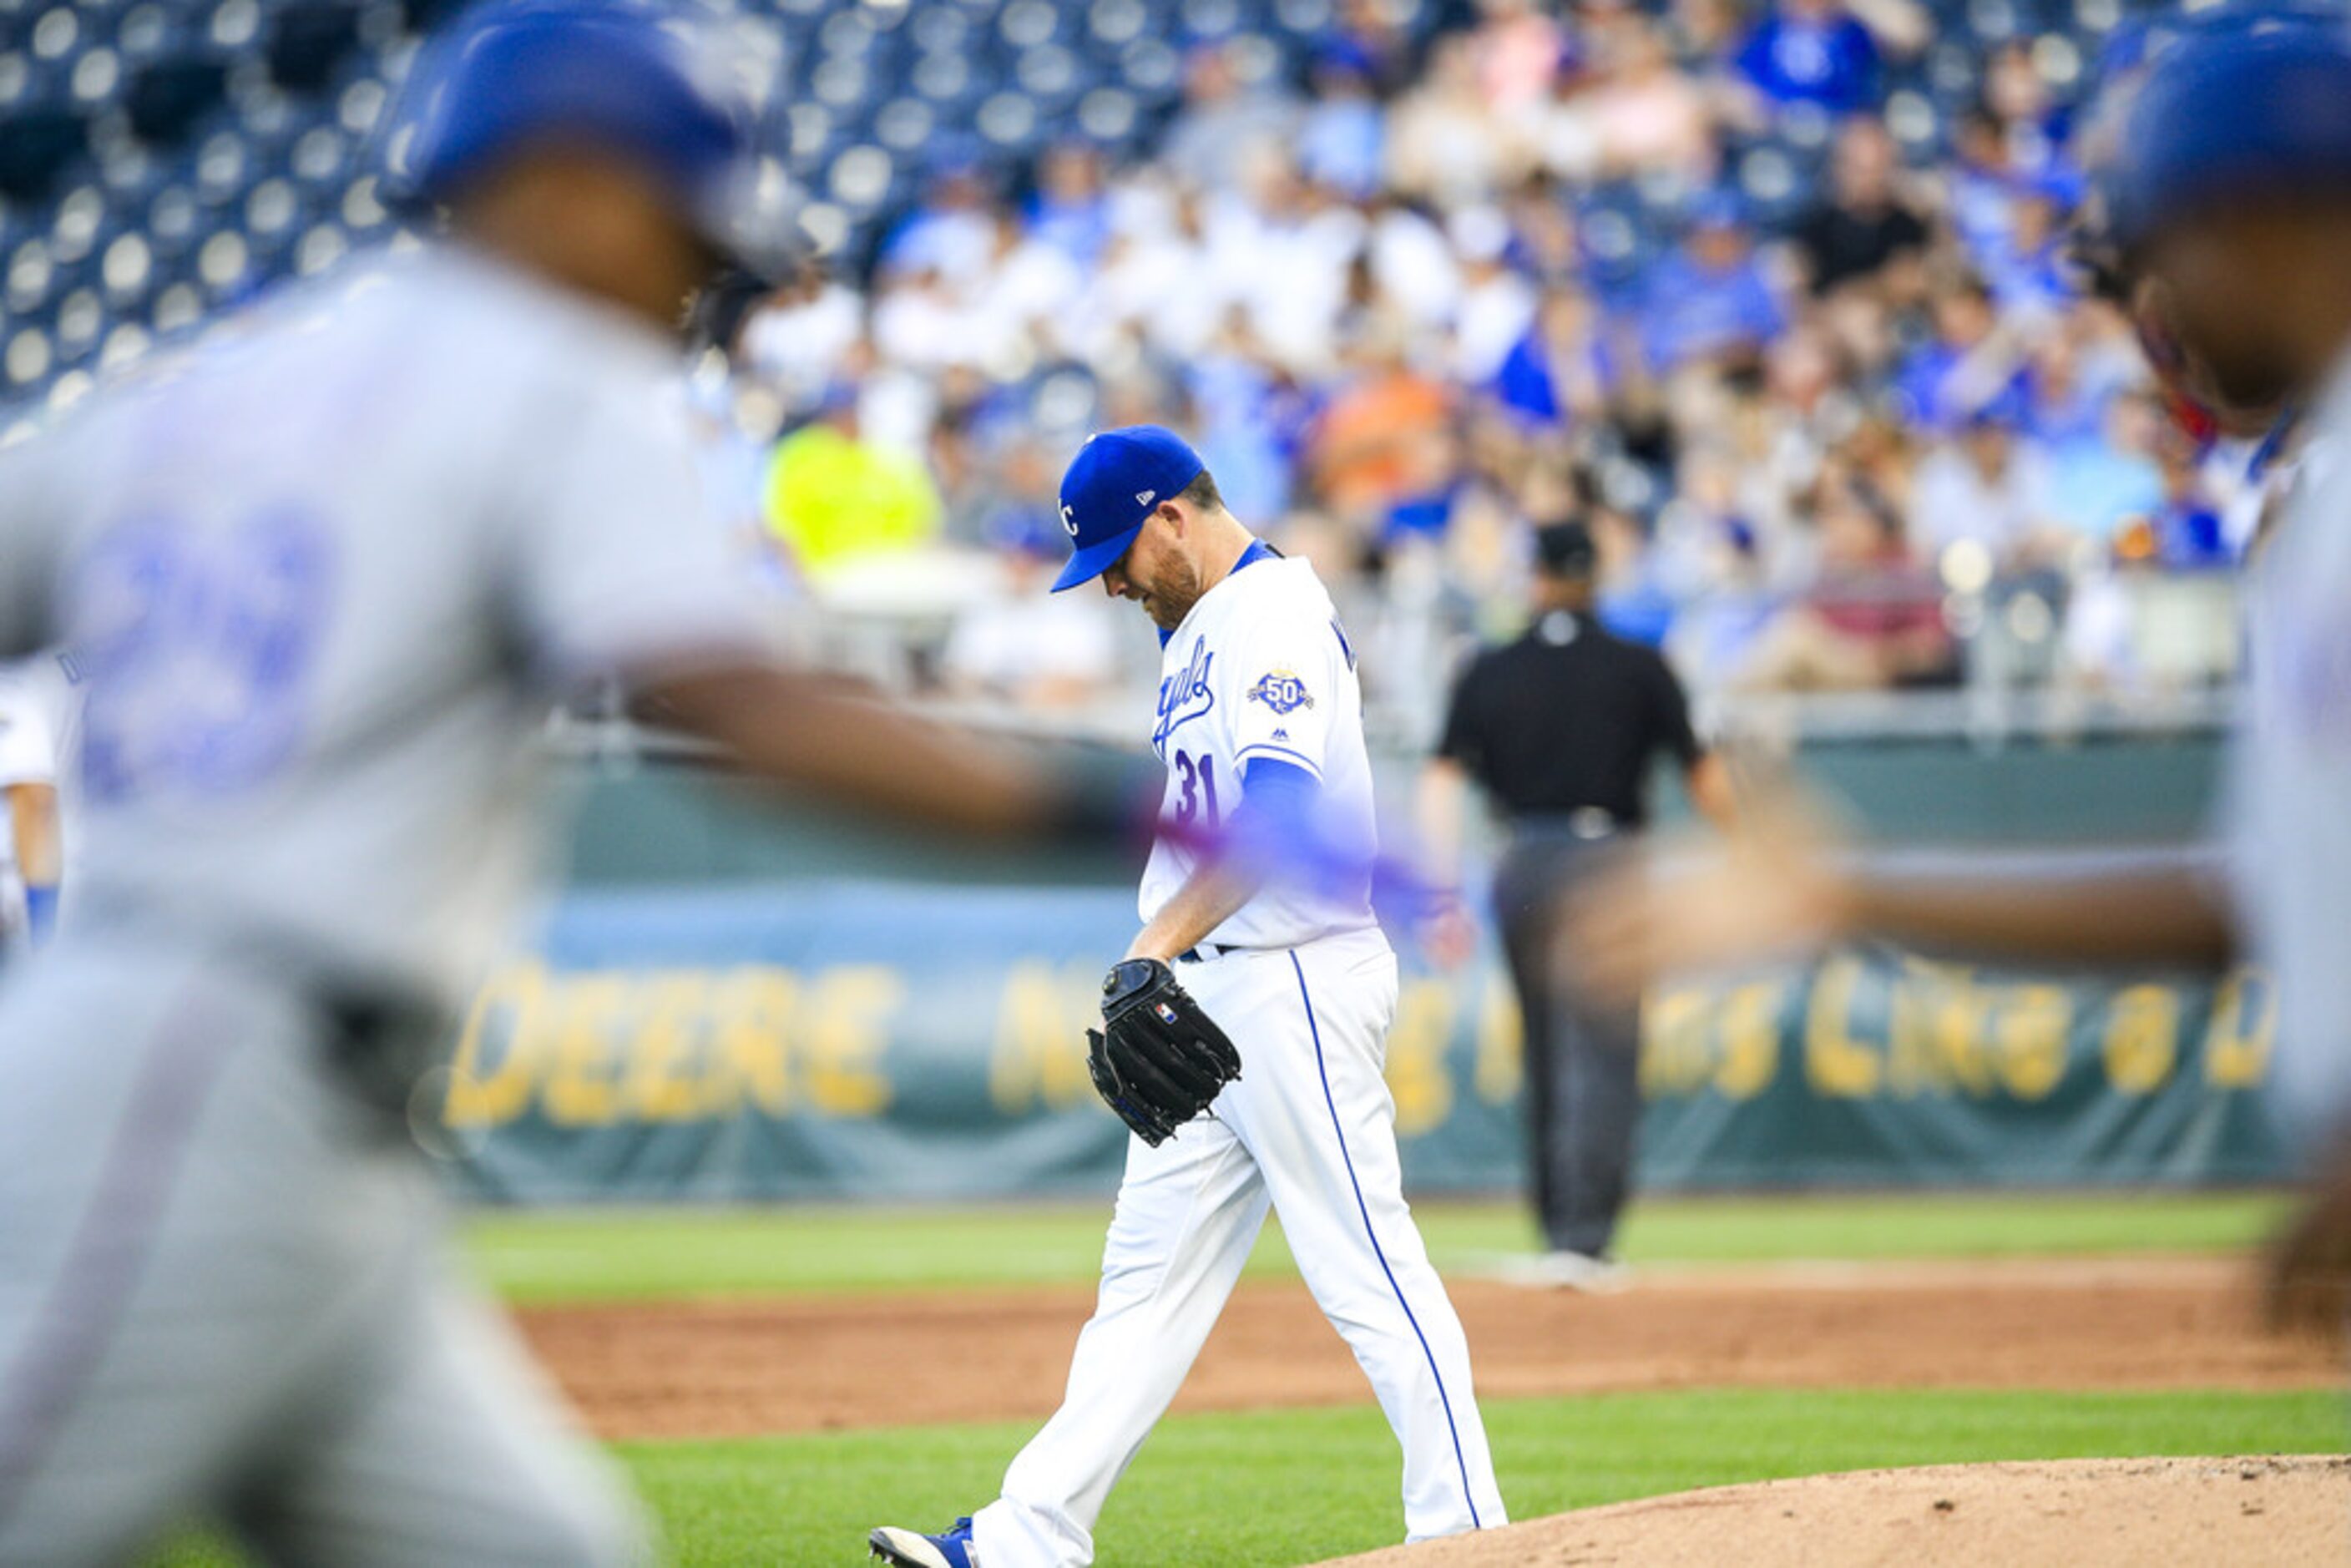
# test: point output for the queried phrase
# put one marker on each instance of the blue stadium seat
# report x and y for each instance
(165, 100)
(41, 143)
(309, 43)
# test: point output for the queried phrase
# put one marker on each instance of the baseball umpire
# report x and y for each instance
(1562, 730)
(322, 579)
(1259, 722)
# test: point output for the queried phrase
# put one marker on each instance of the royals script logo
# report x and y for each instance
(1183, 697)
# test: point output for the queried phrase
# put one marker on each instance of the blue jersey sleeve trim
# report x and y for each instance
(1268, 750)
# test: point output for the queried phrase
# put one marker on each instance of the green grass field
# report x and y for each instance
(1289, 1486)
(538, 1257)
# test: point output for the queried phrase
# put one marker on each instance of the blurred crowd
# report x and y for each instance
(1798, 340)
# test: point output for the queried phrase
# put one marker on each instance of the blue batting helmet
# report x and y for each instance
(2254, 111)
(635, 79)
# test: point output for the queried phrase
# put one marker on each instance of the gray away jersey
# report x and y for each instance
(321, 576)
(2289, 791)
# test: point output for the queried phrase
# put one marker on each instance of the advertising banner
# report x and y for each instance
(897, 1041)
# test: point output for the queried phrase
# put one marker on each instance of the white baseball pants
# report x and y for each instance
(1309, 1129)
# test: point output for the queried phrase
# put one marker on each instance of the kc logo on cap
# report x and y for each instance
(1108, 493)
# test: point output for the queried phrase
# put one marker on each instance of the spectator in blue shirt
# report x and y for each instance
(1710, 300)
(952, 229)
(1252, 419)
(1561, 371)
(1813, 51)
(1070, 210)
(1960, 371)
(1343, 139)
(2188, 532)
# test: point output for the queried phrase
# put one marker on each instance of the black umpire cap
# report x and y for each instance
(1564, 549)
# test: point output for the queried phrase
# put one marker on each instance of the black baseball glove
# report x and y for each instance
(1157, 1060)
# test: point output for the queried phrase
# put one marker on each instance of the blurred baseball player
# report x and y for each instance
(1259, 722)
(2231, 212)
(323, 579)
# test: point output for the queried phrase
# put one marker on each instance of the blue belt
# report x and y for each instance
(1204, 952)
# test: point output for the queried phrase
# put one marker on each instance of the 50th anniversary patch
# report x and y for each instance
(1281, 691)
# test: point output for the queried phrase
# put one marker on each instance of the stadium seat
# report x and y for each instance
(309, 42)
(40, 143)
(228, 141)
(165, 100)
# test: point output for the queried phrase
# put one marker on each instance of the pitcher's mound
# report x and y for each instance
(2082, 1514)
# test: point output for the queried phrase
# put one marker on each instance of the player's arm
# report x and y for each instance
(1708, 780)
(33, 828)
(811, 733)
(619, 568)
(1440, 814)
(1444, 928)
(1704, 775)
(1776, 891)
(2162, 915)
(1275, 815)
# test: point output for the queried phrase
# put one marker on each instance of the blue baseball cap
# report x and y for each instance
(1113, 484)
(2235, 117)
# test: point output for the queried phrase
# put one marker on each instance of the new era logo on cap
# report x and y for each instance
(1109, 489)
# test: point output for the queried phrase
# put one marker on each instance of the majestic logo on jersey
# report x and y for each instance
(1183, 697)
(1069, 520)
(1281, 691)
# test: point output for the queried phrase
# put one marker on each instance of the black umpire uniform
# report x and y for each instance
(1562, 729)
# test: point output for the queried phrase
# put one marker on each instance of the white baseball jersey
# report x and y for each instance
(1262, 669)
(2290, 784)
(321, 576)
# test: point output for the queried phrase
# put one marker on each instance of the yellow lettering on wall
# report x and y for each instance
(1835, 1063)
(2030, 1034)
(491, 1084)
(666, 1080)
(1750, 1039)
(852, 1006)
(1502, 1042)
(2244, 1022)
(1040, 1050)
(1415, 1063)
(587, 1011)
(752, 1011)
(1673, 1042)
(2142, 1039)
(1937, 1032)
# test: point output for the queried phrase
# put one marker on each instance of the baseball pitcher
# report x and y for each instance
(1244, 1030)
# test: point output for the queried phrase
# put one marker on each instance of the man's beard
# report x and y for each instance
(1171, 597)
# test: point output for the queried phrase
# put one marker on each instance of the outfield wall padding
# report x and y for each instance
(888, 1040)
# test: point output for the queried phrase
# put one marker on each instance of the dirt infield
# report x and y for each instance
(2082, 1514)
(820, 1363)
